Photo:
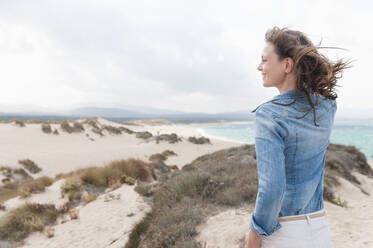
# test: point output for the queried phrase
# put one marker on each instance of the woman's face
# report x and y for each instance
(273, 70)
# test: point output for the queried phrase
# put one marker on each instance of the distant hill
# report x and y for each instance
(134, 112)
(125, 114)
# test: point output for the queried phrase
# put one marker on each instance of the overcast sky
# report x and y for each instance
(170, 54)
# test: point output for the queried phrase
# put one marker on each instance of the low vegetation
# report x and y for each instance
(143, 135)
(126, 130)
(72, 188)
(35, 186)
(112, 129)
(75, 128)
(30, 165)
(157, 158)
(46, 128)
(226, 178)
(18, 223)
(167, 153)
(170, 138)
(19, 123)
(200, 140)
(181, 203)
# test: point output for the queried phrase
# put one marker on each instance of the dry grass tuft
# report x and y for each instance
(72, 188)
(115, 171)
(35, 186)
(18, 223)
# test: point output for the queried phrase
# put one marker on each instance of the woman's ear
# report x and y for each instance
(289, 64)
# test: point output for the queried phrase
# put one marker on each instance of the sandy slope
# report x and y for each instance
(100, 224)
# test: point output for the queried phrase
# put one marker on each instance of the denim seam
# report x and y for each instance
(275, 117)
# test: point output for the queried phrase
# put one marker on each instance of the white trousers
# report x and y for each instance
(308, 233)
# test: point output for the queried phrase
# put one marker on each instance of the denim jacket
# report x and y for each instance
(290, 156)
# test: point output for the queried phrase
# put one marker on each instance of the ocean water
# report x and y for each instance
(358, 133)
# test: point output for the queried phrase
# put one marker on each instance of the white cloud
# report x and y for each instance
(185, 55)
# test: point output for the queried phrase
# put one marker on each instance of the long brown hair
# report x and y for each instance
(315, 73)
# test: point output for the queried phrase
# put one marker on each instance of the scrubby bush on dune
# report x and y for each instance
(167, 153)
(143, 135)
(30, 165)
(18, 223)
(105, 176)
(19, 123)
(126, 130)
(65, 126)
(22, 174)
(72, 188)
(56, 132)
(35, 186)
(157, 158)
(93, 123)
(200, 140)
(97, 131)
(112, 129)
(46, 128)
(23, 187)
(182, 202)
(170, 138)
(77, 127)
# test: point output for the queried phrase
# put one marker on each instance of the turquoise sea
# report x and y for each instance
(358, 133)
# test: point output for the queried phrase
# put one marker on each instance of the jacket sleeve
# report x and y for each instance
(269, 147)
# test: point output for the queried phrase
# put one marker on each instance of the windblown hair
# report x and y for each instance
(315, 73)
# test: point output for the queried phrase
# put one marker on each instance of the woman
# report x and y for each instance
(292, 133)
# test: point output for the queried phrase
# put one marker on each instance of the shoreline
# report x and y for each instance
(214, 137)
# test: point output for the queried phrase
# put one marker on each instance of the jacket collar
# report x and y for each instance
(289, 94)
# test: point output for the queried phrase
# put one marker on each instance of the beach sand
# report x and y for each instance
(103, 223)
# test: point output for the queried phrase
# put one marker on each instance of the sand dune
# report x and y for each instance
(101, 223)
(67, 152)
(104, 223)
